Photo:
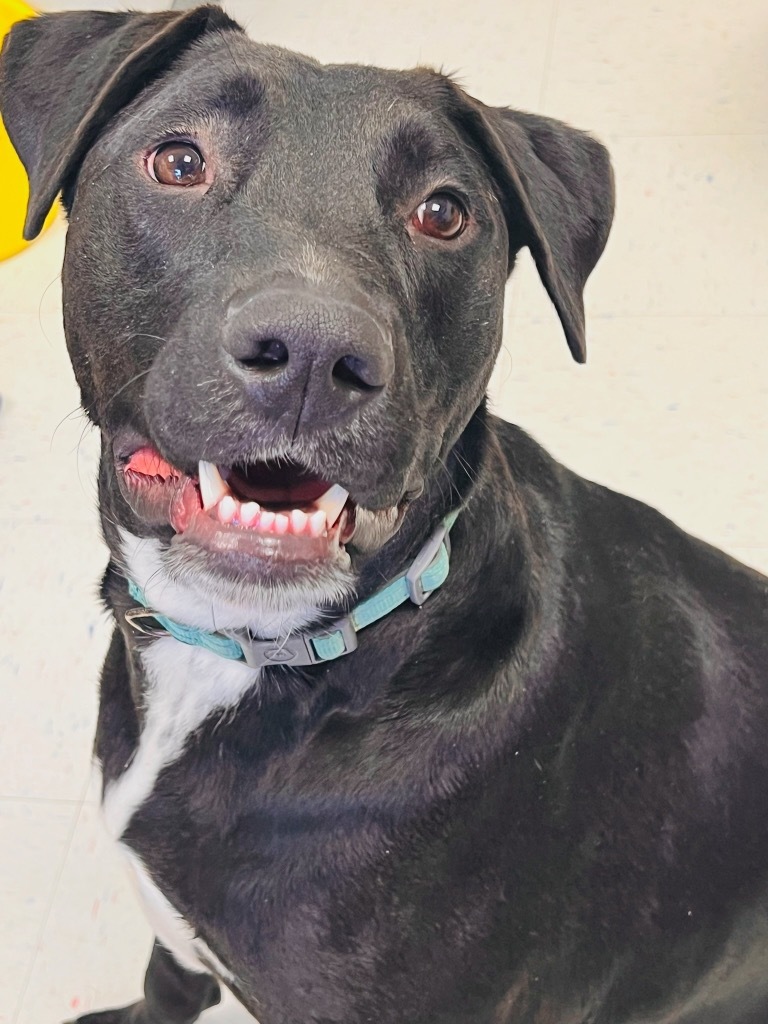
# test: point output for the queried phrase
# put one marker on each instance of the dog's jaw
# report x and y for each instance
(179, 586)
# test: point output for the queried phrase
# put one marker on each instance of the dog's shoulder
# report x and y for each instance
(655, 618)
(605, 531)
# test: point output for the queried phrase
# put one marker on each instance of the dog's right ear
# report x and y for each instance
(63, 76)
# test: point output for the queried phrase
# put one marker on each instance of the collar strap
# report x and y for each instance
(428, 571)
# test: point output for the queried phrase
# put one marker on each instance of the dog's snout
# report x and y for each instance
(326, 354)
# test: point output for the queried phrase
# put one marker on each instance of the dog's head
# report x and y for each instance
(283, 282)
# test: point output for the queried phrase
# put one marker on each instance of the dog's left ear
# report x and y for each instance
(556, 187)
(64, 76)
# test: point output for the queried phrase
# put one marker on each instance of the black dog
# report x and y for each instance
(542, 797)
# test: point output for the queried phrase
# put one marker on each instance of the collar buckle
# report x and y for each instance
(134, 616)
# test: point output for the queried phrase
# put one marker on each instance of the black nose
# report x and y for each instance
(324, 357)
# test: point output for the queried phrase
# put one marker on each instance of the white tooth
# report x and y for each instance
(212, 487)
(248, 513)
(228, 509)
(281, 524)
(317, 523)
(298, 521)
(332, 502)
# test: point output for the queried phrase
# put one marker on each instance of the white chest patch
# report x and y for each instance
(185, 685)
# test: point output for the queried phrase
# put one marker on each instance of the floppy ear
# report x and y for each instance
(556, 186)
(63, 76)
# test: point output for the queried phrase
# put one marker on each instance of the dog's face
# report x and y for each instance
(283, 283)
(303, 318)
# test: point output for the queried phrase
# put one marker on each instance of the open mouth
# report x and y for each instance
(259, 509)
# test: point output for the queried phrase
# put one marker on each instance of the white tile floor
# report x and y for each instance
(671, 407)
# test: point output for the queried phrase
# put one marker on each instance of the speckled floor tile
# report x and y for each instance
(34, 836)
(31, 280)
(54, 636)
(96, 943)
(48, 451)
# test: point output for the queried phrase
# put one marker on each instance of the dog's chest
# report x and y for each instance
(196, 824)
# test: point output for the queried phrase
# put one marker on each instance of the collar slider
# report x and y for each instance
(308, 649)
(414, 578)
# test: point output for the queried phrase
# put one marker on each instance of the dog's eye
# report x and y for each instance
(177, 163)
(440, 216)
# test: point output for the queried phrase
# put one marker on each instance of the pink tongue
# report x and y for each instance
(147, 462)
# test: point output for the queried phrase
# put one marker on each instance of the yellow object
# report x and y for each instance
(14, 188)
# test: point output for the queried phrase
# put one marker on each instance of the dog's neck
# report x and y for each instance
(426, 574)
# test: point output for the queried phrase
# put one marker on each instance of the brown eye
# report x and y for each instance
(177, 163)
(440, 216)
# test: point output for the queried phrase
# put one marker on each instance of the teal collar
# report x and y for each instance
(428, 571)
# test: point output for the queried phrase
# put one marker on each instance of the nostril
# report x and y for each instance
(268, 354)
(355, 373)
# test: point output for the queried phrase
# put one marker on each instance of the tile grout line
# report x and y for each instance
(539, 318)
(550, 45)
(616, 136)
(65, 801)
(49, 908)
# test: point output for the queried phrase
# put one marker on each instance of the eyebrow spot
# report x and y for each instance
(238, 96)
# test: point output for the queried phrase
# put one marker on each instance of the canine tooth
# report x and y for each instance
(332, 502)
(212, 487)
(248, 513)
(266, 520)
(298, 520)
(317, 523)
(227, 508)
(282, 522)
